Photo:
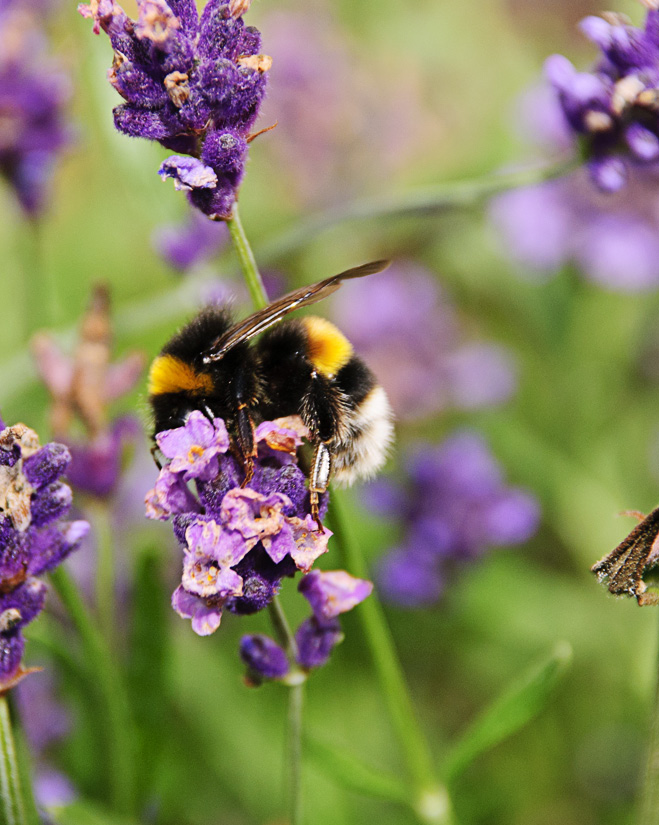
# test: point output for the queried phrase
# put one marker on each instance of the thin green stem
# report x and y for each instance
(649, 807)
(451, 195)
(432, 803)
(247, 261)
(295, 683)
(105, 574)
(114, 711)
(13, 807)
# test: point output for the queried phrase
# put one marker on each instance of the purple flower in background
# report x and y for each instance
(264, 658)
(612, 109)
(454, 506)
(336, 132)
(412, 339)
(238, 541)
(193, 83)
(612, 238)
(33, 536)
(191, 243)
(33, 94)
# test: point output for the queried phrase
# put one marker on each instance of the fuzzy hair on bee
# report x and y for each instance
(302, 366)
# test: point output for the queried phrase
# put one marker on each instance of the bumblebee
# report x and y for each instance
(302, 366)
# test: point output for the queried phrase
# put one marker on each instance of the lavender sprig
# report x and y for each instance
(193, 84)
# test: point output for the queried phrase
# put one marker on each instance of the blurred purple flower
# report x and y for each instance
(193, 242)
(412, 339)
(613, 108)
(264, 658)
(33, 93)
(238, 541)
(332, 120)
(454, 506)
(613, 238)
(192, 83)
(33, 537)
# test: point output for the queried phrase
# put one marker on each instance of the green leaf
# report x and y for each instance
(350, 772)
(518, 705)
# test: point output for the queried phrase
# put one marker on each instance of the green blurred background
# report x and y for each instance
(581, 432)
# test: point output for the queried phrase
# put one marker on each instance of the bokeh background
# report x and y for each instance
(549, 355)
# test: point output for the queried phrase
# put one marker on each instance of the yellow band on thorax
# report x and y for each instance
(329, 349)
(170, 374)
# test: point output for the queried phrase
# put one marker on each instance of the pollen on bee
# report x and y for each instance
(170, 374)
(329, 349)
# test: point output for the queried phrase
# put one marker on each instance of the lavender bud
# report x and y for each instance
(264, 658)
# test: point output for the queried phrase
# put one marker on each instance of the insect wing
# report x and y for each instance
(274, 312)
(623, 567)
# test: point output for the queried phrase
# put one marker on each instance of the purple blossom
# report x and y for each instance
(612, 109)
(315, 640)
(454, 506)
(612, 239)
(333, 592)
(194, 84)
(238, 541)
(33, 538)
(33, 94)
(412, 339)
(264, 658)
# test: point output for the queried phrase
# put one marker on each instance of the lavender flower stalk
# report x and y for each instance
(613, 109)
(34, 539)
(238, 542)
(194, 84)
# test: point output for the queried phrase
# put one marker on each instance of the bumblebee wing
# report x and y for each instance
(274, 312)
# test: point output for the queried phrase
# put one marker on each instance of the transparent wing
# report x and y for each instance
(274, 312)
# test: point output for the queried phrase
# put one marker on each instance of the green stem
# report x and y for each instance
(649, 809)
(114, 710)
(247, 261)
(295, 683)
(105, 577)
(452, 195)
(432, 800)
(13, 808)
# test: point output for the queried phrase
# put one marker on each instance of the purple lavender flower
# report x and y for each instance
(264, 658)
(33, 93)
(613, 108)
(238, 541)
(454, 506)
(612, 239)
(33, 537)
(194, 84)
(411, 338)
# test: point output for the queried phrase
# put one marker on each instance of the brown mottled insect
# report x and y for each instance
(623, 568)
(303, 367)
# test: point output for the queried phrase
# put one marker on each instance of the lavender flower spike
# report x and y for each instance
(238, 541)
(33, 537)
(612, 109)
(194, 84)
(264, 658)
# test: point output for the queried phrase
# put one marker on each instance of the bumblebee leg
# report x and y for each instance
(154, 456)
(246, 443)
(319, 481)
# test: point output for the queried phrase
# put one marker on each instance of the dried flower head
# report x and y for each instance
(192, 83)
(33, 536)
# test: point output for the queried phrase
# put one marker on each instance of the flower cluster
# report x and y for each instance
(239, 540)
(612, 238)
(614, 109)
(454, 505)
(33, 537)
(194, 84)
(329, 593)
(412, 337)
(33, 93)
